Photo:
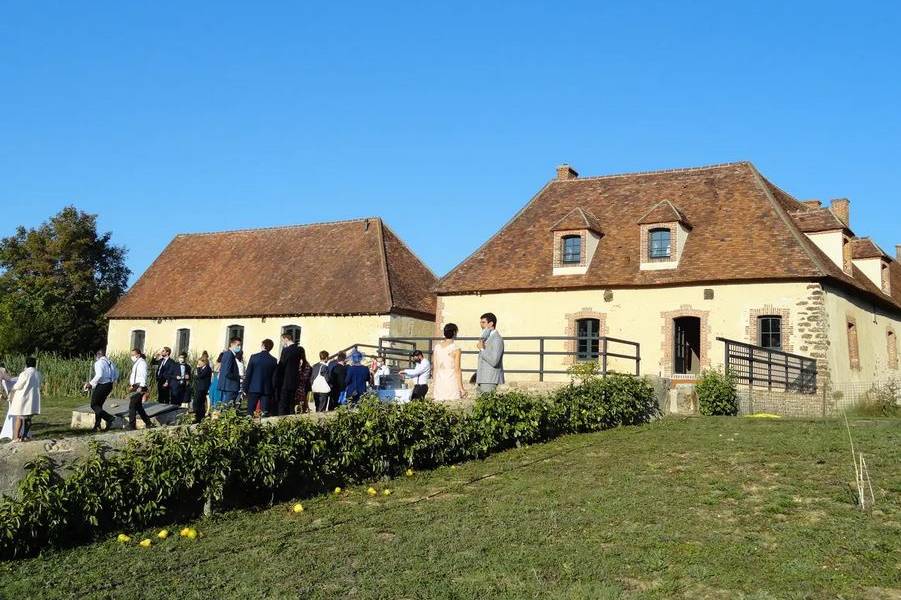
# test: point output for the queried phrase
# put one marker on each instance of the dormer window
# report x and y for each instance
(663, 232)
(576, 238)
(572, 250)
(659, 243)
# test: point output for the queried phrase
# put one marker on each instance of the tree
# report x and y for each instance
(57, 283)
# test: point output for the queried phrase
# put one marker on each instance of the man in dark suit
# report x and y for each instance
(337, 379)
(165, 372)
(180, 381)
(258, 380)
(287, 375)
(229, 376)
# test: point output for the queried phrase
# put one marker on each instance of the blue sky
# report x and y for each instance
(444, 120)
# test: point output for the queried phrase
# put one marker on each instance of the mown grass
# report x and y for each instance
(691, 508)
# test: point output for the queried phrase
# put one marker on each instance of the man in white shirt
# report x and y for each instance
(420, 374)
(138, 386)
(101, 385)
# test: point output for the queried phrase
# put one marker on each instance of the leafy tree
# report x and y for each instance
(56, 284)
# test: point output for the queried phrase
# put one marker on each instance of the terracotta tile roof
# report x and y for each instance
(664, 212)
(577, 219)
(347, 267)
(744, 229)
(865, 248)
(817, 219)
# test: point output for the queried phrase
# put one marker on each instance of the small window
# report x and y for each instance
(137, 339)
(769, 332)
(853, 348)
(293, 331)
(572, 249)
(892, 342)
(659, 243)
(233, 331)
(588, 332)
(182, 341)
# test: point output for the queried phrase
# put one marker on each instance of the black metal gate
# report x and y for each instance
(764, 367)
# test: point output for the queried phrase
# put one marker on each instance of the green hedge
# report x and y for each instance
(233, 461)
(717, 394)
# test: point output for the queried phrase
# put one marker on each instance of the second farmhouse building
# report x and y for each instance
(673, 260)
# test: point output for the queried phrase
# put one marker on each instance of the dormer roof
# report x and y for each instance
(578, 219)
(865, 248)
(664, 212)
(817, 220)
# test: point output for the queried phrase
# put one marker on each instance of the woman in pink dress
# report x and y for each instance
(447, 377)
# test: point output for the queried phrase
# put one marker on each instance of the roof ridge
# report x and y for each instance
(383, 257)
(280, 227)
(657, 171)
(786, 218)
(408, 249)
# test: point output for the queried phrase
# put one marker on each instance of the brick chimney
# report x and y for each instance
(898, 252)
(565, 172)
(812, 203)
(841, 208)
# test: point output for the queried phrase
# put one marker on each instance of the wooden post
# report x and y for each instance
(541, 359)
(604, 359)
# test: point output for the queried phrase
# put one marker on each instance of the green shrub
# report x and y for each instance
(717, 394)
(233, 461)
(881, 400)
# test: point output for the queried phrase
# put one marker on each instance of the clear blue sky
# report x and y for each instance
(201, 116)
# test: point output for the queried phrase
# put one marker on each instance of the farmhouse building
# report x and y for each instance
(330, 285)
(675, 259)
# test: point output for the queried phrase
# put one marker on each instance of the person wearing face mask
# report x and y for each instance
(165, 368)
(202, 378)
(258, 380)
(137, 382)
(287, 375)
(181, 382)
(229, 375)
(381, 370)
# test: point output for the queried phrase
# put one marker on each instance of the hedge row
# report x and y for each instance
(233, 461)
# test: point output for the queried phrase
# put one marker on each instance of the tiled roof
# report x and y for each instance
(816, 220)
(744, 229)
(865, 248)
(346, 267)
(577, 219)
(664, 212)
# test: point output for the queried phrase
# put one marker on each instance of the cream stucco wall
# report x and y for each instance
(330, 333)
(832, 244)
(872, 268)
(631, 314)
(872, 325)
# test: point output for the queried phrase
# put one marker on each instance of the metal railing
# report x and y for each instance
(765, 367)
(400, 348)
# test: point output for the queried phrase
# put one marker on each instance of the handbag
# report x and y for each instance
(320, 384)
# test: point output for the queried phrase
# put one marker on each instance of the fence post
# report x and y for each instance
(604, 359)
(541, 359)
(637, 360)
(769, 370)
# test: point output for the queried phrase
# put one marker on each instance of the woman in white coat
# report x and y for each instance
(25, 400)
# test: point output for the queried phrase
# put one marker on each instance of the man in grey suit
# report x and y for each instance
(490, 372)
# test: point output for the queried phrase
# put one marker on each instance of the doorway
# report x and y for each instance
(687, 351)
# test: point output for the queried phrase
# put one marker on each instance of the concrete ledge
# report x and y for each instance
(160, 414)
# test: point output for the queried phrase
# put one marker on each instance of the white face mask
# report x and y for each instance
(134, 359)
(181, 360)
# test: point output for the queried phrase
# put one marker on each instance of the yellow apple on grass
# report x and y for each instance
(145, 543)
(371, 491)
(123, 539)
(298, 508)
(163, 534)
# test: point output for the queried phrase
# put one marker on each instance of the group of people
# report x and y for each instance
(271, 386)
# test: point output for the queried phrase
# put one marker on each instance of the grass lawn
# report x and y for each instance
(56, 416)
(692, 508)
